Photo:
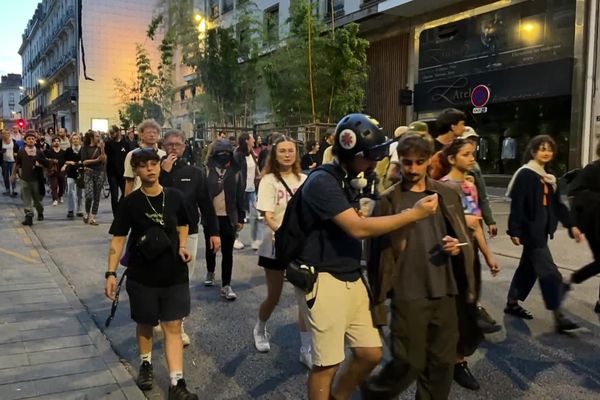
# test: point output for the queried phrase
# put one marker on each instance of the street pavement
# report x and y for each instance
(526, 360)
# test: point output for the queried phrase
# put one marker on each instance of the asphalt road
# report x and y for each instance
(526, 360)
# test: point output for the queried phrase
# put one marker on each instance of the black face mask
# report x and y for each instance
(222, 159)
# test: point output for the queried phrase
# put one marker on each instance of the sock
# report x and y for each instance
(261, 326)
(175, 376)
(146, 357)
(305, 340)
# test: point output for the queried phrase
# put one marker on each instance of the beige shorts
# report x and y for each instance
(339, 315)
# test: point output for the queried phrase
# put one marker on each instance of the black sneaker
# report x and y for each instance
(597, 308)
(14, 194)
(79, 214)
(486, 323)
(180, 392)
(565, 325)
(40, 216)
(145, 376)
(517, 311)
(70, 215)
(28, 221)
(464, 377)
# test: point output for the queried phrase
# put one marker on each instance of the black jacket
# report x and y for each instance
(234, 187)
(240, 159)
(115, 157)
(527, 220)
(586, 202)
(191, 181)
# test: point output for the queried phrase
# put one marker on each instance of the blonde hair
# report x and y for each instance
(148, 123)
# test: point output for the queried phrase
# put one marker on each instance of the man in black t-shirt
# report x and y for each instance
(337, 310)
(157, 274)
(116, 150)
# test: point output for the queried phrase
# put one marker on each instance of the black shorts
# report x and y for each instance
(270, 263)
(149, 305)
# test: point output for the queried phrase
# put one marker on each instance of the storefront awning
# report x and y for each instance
(411, 8)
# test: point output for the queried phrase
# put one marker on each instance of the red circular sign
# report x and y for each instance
(480, 95)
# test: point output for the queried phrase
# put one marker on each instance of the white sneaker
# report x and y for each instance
(55, 203)
(185, 338)
(238, 245)
(261, 340)
(61, 200)
(256, 244)
(306, 357)
(210, 279)
(228, 293)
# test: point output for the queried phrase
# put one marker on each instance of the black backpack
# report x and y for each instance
(291, 236)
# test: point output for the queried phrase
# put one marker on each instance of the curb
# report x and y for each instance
(117, 369)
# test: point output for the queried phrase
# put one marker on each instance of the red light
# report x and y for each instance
(21, 123)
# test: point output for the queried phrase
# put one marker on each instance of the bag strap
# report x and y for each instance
(285, 185)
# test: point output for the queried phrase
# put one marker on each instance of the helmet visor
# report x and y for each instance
(377, 153)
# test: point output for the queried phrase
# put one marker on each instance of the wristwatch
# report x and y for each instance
(109, 273)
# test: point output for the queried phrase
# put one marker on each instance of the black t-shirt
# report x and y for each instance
(71, 155)
(438, 146)
(328, 247)
(133, 214)
(115, 157)
(56, 155)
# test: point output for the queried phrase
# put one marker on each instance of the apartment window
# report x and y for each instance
(227, 6)
(271, 23)
(182, 94)
(214, 8)
(338, 7)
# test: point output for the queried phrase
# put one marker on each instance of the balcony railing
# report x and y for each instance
(68, 95)
(68, 57)
(47, 44)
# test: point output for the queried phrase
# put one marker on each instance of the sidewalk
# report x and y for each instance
(49, 346)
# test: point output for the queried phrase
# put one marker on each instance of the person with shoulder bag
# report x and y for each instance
(282, 178)
(93, 159)
(226, 191)
(157, 273)
(75, 182)
(337, 307)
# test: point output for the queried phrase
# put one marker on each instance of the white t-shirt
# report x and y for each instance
(7, 149)
(251, 174)
(273, 196)
(130, 173)
(394, 152)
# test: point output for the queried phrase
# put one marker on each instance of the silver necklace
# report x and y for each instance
(156, 217)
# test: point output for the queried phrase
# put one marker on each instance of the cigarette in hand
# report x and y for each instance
(461, 244)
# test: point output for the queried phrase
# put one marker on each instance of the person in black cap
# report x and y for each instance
(157, 272)
(337, 309)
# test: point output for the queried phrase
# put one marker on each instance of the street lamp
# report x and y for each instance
(41, 81)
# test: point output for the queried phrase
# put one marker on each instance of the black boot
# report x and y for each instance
(464, 377)
(28, 221)
(180, 392)
(145, 376)
(40, 216)
(486, 323)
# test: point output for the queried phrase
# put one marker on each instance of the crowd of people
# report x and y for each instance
(389, 232)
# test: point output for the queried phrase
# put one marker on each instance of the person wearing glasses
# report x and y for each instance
(157, 274)
(177, 173)
(149, 133)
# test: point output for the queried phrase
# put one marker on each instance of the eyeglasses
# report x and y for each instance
(115, 303)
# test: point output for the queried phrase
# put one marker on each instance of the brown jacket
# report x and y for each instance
(386, 252)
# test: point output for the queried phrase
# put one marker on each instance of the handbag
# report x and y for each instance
(80, 180)
(153, 243)
(301, 276)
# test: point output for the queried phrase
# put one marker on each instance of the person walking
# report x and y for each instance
(29, 168)
(226, 189)
(586, 210)
(282, 178)
(157, 275)
(149, 134)
(337, 307)
(310, 159)
(10, 149)
(248, 165)
(56, 156)
(116, 150)
(535, 210)
(93, 159)
(450, 125)
(65, 143)
(423, 269)
(73, 168)
(191, 181)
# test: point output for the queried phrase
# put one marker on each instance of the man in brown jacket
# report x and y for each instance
(425, 268)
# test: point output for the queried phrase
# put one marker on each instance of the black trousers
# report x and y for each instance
(116, 183)
(424, 334)
(227, 233)
(592, 268)
(537, 264)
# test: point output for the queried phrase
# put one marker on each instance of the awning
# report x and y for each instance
(411, 8)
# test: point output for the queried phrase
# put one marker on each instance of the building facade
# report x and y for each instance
(10, 93)
(72, 52)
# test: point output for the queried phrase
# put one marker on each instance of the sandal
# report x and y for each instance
(517, 311)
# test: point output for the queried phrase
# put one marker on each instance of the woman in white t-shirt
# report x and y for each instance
(282, 177)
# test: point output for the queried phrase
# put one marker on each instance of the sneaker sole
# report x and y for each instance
(145, 387)
(207, 284)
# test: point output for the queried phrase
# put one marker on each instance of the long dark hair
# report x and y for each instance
(451, 150)
(534, 145)
(87, 139)
(243, 144)
(272, 166)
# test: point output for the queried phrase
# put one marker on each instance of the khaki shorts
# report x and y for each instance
(339, 315)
